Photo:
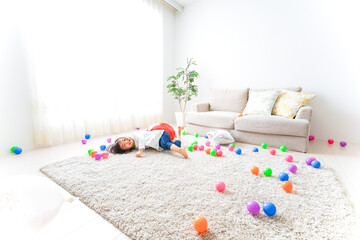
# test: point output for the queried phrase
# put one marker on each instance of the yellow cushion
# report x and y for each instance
(288, 103)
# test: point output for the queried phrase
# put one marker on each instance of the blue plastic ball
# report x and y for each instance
(269, 208)
(87, 136)
(17, 150)
(283, 176)
(102, 147)
(315, 164)
(255, 149)
(206, 136)
(238, 151)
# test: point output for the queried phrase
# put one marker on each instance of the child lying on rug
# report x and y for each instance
(158, 136)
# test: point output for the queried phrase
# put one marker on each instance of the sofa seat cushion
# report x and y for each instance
(215, 119)
(273, 125)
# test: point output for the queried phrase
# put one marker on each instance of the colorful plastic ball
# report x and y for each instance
(217, 146)
(208, 150)
(200, 224)
(89, 151)
(264, 145)
(287, 186)
(289, 158)
(283, 148)
(103, 147)
(92, 154)
(311, 138)
(220, 186)
(255, 149)
(254, 170)
(343, 144)
(108, 140)
(17, 150)
(315, 164)
(272, 151)
(253, 207)
(292, 168)
(213, 152)
(238, 151)
(201, 147)
(231, 148)
(183, 132)
(83, 141)
(205, 136)
(219, 153)
(207, 143)
(97, 156)
(267, 172)
(190, 148)
(105, 155)
(269, 208)
(195, 146)
(87, 136)
(195, 142)
(283, 176)
(330, 141)
(309, 160)
(13, 148)
(233, 145)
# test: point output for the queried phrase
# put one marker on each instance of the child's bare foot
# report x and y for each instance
(183, 152)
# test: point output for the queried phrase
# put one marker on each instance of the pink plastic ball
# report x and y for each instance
(195, 146)
(231, 148)
(207, 143)
(97, 156)
(108, 140)
(311, 138)
(105, 155)
(201, 147)
(217, 146)
(83, 141)
(220, 186)
(331, 141)
(272, 151)
(289, 158)
(219, 153)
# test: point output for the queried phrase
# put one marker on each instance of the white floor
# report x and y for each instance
(76, 221)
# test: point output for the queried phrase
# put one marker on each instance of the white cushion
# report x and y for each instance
(215, 119)
(232, 100)
(220, 136)
(261, 103)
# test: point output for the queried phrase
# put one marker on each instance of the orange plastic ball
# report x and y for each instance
(200, 224)
(287, 186)
(93, 153)
(255, 170)
(208, 150)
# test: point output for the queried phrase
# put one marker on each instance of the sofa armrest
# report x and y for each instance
(304, 113)
(201, 107)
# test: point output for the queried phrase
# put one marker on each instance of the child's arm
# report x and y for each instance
(138, 154)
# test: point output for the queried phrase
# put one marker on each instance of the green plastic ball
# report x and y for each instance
(196, 135)
(13, 148)
(213, 153)
(267, 172)
(90, 150)
(190, 148)
(283, 148)
(195, 142)
(264, 145)
(233, 145)
(183, 132)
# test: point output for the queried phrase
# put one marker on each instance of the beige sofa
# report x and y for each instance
(222, 112)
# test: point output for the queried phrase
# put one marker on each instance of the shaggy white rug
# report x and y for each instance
(159, 195)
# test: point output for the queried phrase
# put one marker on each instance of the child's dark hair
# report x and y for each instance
(115, 148)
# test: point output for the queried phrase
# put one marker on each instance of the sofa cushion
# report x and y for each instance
(231, 100)
(273, 125)
(261, 103)
(215, 119)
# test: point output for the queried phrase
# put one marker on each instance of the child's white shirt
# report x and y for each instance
(145, 139)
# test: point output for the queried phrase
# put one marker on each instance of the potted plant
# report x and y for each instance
(183, 89)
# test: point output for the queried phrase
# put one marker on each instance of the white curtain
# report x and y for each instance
(96, 66)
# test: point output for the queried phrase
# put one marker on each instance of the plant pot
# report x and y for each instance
(180, 119)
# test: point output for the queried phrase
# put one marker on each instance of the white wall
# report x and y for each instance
(280, 43)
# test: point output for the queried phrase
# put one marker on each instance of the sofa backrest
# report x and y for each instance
(225, 99)
(295, 89)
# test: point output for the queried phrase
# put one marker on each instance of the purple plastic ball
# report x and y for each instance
(83, 141)
(253, 207)
(309, 160)
(292, 168)
(108, 140)
(97, 156)
(343, 143)
(217, 146)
